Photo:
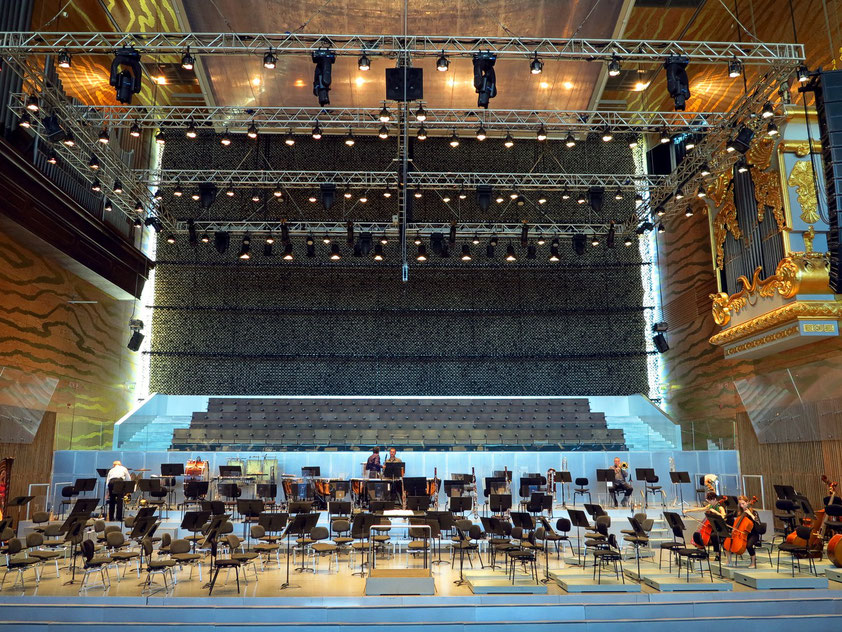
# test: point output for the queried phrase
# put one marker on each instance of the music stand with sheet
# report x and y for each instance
(461, 504)
(339, 489)
(579, 520)
(454, 488)
(230, 471)
(19, 502)
(193, 521)
(784, 492)
(273, 523)
(394, 470)
(678, 479)
(418, 503)
(565, 478)
(523, 520)
(499, 503)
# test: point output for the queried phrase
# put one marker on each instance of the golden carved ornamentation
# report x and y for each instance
(768, 193)
(726, 220)
(760, 153)
(809, 236)
(778, 317)
(764, 340)
(719, 188)
(801, 177)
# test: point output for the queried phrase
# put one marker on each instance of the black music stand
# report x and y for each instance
(445, 522)
(463, 537)
(193, 521)
(102, 472)
(301, 525)
(272, 523)
(678, 479)
(564, 478)
(211, 538)
(171, 470)
(454, 488)
(249, 508)
(418, 503)
(230, 471)
(499, 503)
(19, 502)
(605, 476)
(394, 470)
(300, 507)
(143, 526)
(784, 492)
(311, 471)
(72, 530)
(379, 506)
(579, 520)
(268, 491)
(523, 520)
(461, 504)
(85, 485)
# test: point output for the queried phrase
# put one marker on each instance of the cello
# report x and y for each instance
(816, 540)
(740, 531)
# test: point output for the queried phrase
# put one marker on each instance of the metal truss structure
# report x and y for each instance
(17, 44)
(385, 179)
(465, 230)
(341, 119)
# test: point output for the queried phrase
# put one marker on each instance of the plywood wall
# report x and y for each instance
(33, 462)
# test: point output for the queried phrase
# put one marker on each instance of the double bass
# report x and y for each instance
(815, 542)
(740, 530)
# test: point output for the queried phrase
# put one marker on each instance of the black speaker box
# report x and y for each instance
(135, 340)
(660, 343)
(395, 84)
(828, 91)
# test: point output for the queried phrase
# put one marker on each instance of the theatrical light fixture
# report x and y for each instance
(108, 206)
(445, 198)
(570, 142)
(126, 74)
(661, 228)
(104, 137)
(422, 133)
(462, 194)
(52, 158)
(417, 240)
(349, 139)
(565, 194)
(509, 142)
(422, 253)
(417, 192)
(701, 192)
(735, 68)
(118, 187)
(442, 63)
(384, 132)
(187, 61)
(364, 63)
(347, 195)
(225, 139)
(688, 212)
(170, 238)
(705, 170)
(803, 74)
(335, 255)
(385, 117)
(326, 239)
(93, 163)
(138, 207)
(252, 130)
(69, 141)
(323, 59)
(742, 142)
(595, 240)
(475, 239)
(493, 241)
(195, 196)
(387, 193)
(454, 140)
(633, 142)
(689, 143)
(614, 66)
(96, 186)
(536, 65)
(25, 120)
(378, 252)
(607, 136)
(627, 241)
(768, 110)
(137, 222)
(278, 193)
(510, 253)
(679, 194)
(269, 60)
(499, 199)
(581, 199)
(466, 252)
(665, 136)
(421, 113)
(255, 197)
(384, 240)
(638, 199)
(134, 130)
(542, 133)
(678, 85)
(245, 247)
(363, 198)
(191, 130)
(540, 241)
(542, 198)
(554, 256)
(771, 129)
(660, 211)
(742, 167)
(481, 132)
(32, 103)
(618, 194)
(160, 138)
(205, 238)
(288, 256)
(63, 59)
(730, 146)
(485, 80)
(158, 196)
(513, 195)
(270, 239)
(289, 139)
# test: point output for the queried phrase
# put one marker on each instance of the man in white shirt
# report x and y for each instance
(117, 472)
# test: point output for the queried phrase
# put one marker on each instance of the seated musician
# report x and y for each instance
(392, 456)
(372, 465)
(753, 536)
(712, 506)
(621, 482)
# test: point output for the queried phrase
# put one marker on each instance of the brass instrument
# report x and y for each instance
(551, 488)
(624, 466)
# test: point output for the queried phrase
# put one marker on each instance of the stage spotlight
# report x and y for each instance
(289, 139)
(252, 130)
(768, 110)
(69, 141)
(317, 132)
(191, 130)
(618, 194)
(771, 129)
(195, 196)
(349, 139)
(638, 199)
(137, 222)
(481, 133)
(442, 63)
(385, 117)
(688, 212)
(510, 253)
(245, 248)
(483, 196)
(701, 192)
(104, 136)
(499, 199)
(335, 254)
(323, 59)
(225, 139)
(417, 193)
(485, 81)
(288, 256)
(661, 229)
(679, 194)
(311, 246)
(614, 66)
(665, 136)
(160, 137)
(205, 238)
(596, 198)
(445, 198)
(570, 142)
(52, 158)
(187, 61)
(207, 194)
(52, 129)
(742, 167)
(126, 74)
(383, 239)
(108, 206)
(542, 133)
(63, 59)
(25, 120)
(96, 186)
(633, 142)
(387, 193)
(384, 132)
(542, 198)
(742, 142)
(378, 252)
(158, 195)
(422, 133)
(595, 240)
(421, 114)
(475, 239)
(135, 325)
(735, 68)
(32, 103)
(229, 191)
(347, 195)
(364, 63)
(170, 238)
(607, 135)
(509, 142)
(492, 241)
(118, 186)
(536, 65)
(269, 60)
(803, 74)
(93, 163)
(579, 244)
(677, 83)
(134, 130)
(627, 241)
(454, 140)
(138, 207)
(363, 198)
(462, 194)
(660, 211)
(422, 253)
(689, 142)
(466, 252)
(730, 147)
(565, 194)
(554, 256)
(270, 239)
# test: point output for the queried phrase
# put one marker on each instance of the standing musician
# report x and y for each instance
(392, 456)
(117, 472)
(753, 536)
(396, 485)
(714, 507)
(372, 465)
(621, 482)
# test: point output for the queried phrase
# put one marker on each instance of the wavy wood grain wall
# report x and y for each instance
(83, 346)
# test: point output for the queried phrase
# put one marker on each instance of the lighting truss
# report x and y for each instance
(302, 119)
(17, 44)
(384, 179)
(319, 228)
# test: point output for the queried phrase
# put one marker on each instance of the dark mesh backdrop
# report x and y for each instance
(314, 327)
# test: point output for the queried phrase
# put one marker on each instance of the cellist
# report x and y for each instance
(712, 506)
(753, 536)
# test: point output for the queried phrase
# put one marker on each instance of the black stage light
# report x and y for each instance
(288, 255)
(311, 247)
(32, 103)
(322, 75)
(442, 63)
(64, 59)
(485, 81)
(365, 243)
(363, 63)
(135, 341)
(221, 240)
(269, 60)
(25, 120)
(69, 141)
(335, 254)
(378, 252)
(134, 130)
(104, 136)
(660, 343)
(735, 68)
(422, 253)
(245, 248)
(484, 196)
(596, 197)
(422, 133)
(614, 66)
(579, 244)
(170, 238)
(609, 240)
(742, 143)
(108, 206)
(52, 157)
(317, 132)
(536, 65)
(466, 252)
(126, 74)
(52, 129)
(510, 253)
(207, 194)
(328, 194)
(96, 186)
(187, 61)
(677, 83)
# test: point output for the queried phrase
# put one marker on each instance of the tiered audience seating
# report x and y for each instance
(264, 424)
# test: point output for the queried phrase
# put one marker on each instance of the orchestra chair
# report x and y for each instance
(264, 547)
(166, 542)
(680, 550)
(40, 520)
(179, 551)
(319, 548)
(54, 538)
(523, 551)
(550, 535)
(68, 497)
(798, 552)
(218, 563)
(382, 539)
(115, 543)
(360, 534)
(563, 527)
(701, 491)
(421, 538)
(339, 509)
(784, 515)
(162, 567)
(581, 489)
(833, 518)
(608, 552)
(676, 525)
(94, 564)
(339, 526)
(638, 537)
(245, 558)
(651, 487)
(19, 565)
(34, 542)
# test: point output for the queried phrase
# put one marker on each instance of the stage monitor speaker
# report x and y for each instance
(135, 340)
(660, 343)
(828, 91)
(395, 84)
